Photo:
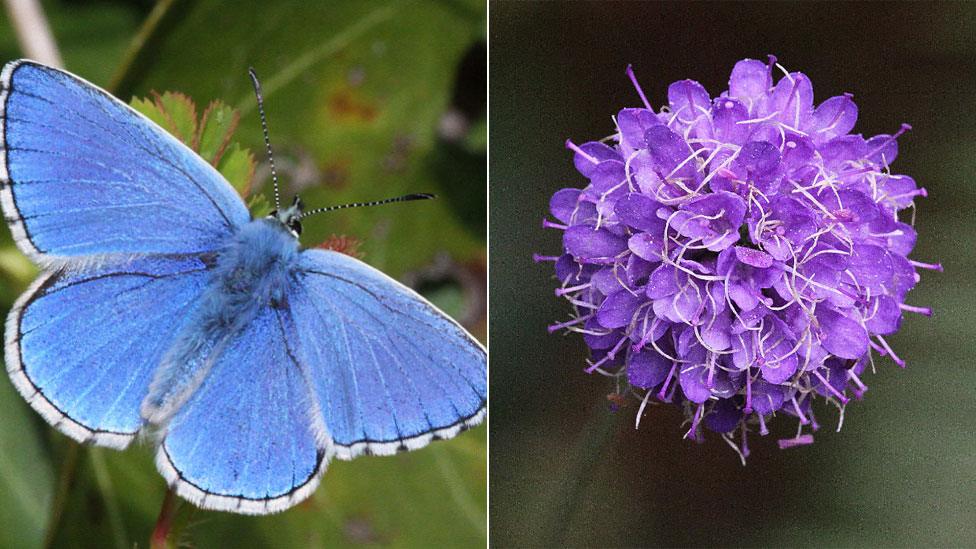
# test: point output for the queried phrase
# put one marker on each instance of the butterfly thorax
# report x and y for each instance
(253, 271)
(255, 268)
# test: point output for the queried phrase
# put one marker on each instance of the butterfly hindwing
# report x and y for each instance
(245, 441)
(390, 372)
(81, 173)
(81, 347)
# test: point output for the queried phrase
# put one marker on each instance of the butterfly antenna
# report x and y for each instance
(404, 198)
(264, 128)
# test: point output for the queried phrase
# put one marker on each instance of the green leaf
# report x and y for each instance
(237, 166)
(210, 137)
(217, 126)
(149, 108)
(354, 92)
(92, 37)
(113, 500)
(26, 473)
(259, 206)
(434, 497)
(477, 138)
(179, 116)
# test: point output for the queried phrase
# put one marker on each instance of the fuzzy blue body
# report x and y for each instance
(251, 271)
(163, 306)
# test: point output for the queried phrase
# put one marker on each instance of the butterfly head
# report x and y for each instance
(290, 217)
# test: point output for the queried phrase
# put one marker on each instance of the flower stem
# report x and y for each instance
(160, 536)
(590, 448)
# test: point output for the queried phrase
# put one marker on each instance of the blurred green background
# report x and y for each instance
(565, 469)
(365, 100)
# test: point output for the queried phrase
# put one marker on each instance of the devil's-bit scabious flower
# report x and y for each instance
(738, 256)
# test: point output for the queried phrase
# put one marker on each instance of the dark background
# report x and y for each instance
(566, 469)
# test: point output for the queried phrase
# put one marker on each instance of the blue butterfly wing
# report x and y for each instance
(389, 371)
(245, 441)
(81, 173)
(81, 347)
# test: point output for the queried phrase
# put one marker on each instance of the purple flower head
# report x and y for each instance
(738, 256)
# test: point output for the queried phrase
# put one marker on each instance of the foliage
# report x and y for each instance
(209, 135)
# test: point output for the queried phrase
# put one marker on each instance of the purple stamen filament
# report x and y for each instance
(801, 440)
(929, 266)
(581, 152)
(912, 309)
(640, 92)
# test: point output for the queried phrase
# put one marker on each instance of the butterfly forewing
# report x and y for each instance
(83, 174)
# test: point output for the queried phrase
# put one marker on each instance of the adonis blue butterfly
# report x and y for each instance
(163, 307)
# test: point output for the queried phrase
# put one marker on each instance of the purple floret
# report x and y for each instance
(738, 256)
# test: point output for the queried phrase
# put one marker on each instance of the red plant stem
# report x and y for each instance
(164, 523)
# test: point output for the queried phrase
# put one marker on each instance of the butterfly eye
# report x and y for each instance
(295, 227)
